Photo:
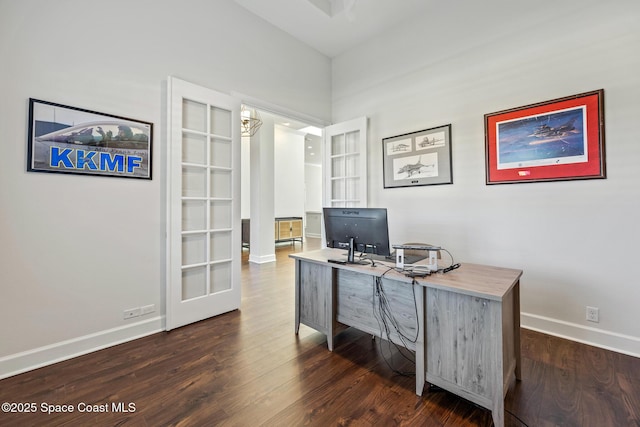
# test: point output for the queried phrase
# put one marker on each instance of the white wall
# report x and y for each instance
(75, 251)
(313, 185)
(576, 241)
(289, 173)
(245, 179)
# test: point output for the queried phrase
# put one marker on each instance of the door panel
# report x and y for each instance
(344, 170)
(203, 257)
(345, 164)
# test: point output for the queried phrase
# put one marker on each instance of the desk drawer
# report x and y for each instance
(358, 305)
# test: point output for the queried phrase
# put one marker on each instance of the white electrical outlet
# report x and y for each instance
(593, 314)
(132, 312)
(147, 309)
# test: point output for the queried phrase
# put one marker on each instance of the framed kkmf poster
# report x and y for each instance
(561, 139)
(78, 141)
(418, 158)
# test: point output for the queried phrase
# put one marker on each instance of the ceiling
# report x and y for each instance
(331, 27)
(335, 26)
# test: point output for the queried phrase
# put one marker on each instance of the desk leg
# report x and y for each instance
(516, 331)
(498, 413)
(496, 368)
(297, 292)
(421, 359)
(332, 298)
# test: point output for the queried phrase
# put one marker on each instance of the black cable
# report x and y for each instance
(451, 266)
(387, 309)
(363, 256)
(387, 321)
(507, 411)
(389, 342)
(516, 417)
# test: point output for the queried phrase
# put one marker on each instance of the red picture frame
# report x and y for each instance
(557, 140)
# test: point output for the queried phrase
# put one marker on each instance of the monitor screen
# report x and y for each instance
(358, 229)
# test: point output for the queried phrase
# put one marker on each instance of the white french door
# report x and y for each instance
(345, 164)
(203, 236)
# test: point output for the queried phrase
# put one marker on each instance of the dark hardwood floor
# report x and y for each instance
(248, 368)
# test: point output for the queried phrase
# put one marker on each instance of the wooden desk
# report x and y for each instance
(466, 323)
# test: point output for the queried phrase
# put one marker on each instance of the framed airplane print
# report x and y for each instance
(418, 158)
(78, 141)
(557, 140)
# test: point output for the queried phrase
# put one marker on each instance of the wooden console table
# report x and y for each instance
(466, 322)
(287, 229)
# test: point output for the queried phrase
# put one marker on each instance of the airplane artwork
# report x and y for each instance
(426, 142)
(413, 168)
(400, 147)
(546, 133)
(556, 140)
(426, 160)
(542, 140)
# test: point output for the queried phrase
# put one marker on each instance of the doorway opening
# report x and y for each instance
(281, 185)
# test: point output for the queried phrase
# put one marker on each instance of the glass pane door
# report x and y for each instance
(204, 204)
(206, 199)
(346, 164)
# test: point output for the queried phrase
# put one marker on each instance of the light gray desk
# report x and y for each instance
(466, 323)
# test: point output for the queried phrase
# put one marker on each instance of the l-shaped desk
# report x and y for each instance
(464, 326)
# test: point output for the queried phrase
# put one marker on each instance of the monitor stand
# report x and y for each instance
(351, 255)
(352, 251)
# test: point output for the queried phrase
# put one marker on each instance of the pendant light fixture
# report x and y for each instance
(250, 121)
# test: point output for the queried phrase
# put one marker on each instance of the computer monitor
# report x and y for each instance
(357, 229)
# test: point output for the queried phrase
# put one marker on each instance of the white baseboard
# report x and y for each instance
(262, 259)
(608, 340)
(18, 363)
(32, 359)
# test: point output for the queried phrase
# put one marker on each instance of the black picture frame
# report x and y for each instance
(72, 140)
(418, 158)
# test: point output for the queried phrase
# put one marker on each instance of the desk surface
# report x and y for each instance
(472, 279)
